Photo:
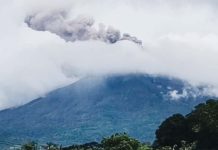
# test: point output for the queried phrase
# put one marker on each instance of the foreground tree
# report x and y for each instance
(115, 142)
(203, 121)
(120, 142)
(200, 127)
(172, 131)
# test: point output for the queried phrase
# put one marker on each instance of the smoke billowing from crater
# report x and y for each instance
(78, 29)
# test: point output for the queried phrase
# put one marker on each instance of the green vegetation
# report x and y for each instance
(30, 146)
(197, 130)
(120, 142)
(114, 142)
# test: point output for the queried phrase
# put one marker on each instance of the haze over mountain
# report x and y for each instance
(95, 107)
(36, 57)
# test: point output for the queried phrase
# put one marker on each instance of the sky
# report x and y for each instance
(179, 39)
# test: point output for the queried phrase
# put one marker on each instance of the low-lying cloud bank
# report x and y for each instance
(180, 39)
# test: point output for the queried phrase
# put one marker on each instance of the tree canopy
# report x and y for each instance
(200, 126)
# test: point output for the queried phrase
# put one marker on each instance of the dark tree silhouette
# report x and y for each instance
(201, 126)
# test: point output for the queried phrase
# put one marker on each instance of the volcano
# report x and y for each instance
(95, 107)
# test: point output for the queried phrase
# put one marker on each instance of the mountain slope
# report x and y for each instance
(95, 107)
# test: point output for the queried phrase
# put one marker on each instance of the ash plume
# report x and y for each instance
(78, 29)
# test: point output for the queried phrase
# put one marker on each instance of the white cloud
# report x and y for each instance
(180, 39)
(175, 95)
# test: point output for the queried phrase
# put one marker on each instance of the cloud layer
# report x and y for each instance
(180, 39)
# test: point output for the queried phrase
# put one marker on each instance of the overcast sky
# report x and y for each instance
(180, 39)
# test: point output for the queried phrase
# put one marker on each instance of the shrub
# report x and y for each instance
(120, 142)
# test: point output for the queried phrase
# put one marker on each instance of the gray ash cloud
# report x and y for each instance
(78, 29)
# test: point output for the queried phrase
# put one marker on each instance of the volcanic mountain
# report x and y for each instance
(95, 107)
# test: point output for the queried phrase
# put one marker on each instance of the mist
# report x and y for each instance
(172, 38)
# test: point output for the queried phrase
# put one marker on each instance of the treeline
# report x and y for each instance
(197, 130)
